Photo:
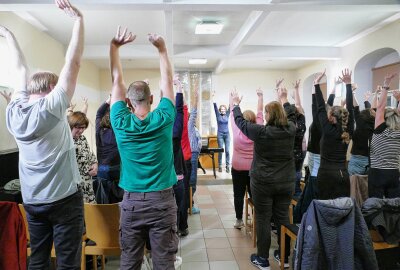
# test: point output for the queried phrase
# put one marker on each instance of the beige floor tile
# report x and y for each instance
(206, 206)
(194, 255)
(213, 233)
(242, 254)
(235, 233)
(227, 210)
(241, 242)
(217, 243)
(245, 265)
(220, 254)
(192, 243)
(209, 211)
(195, 233)
(227, 217)
(222, 265)
(195, 266)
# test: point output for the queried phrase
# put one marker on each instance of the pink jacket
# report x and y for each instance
(242, 156)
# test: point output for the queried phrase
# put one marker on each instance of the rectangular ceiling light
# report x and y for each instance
(197, 61)
(209, 28)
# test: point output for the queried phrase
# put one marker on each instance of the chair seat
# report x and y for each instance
(107, 251)
(293, 228)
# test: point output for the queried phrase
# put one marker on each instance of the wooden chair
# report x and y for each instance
(102, 227)
(290, 230)
(247, 223)
(190, 200)
(53, 251)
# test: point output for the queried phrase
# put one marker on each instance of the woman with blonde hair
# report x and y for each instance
(337, 127)
(383, 176)
(272, 171)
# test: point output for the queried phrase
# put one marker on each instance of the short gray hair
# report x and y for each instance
(138, 92)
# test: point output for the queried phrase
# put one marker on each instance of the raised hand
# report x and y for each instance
(235, 97)
(4, 31)
(388, 80)
(319, 76)
(296, 85)
(157, 41)
(346, 76)
(278, 83)
(367, 95)
(69, 9)
(7, 96)
(85, 101)
(108, 101)
(259, 93)
(176, 80)
(122, 38)
(396, 95)
(147, 81)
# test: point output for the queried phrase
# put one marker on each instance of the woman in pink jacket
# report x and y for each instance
(242, 158)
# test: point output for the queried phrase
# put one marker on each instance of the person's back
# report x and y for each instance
(144, 139)
(48, 170)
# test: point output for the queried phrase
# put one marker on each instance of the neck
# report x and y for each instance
(33, 97)
(141, 112)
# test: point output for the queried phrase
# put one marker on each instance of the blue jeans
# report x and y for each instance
(314, 161)
(109, 175)
(193, 174)
(61, 222)
(148, 216)
(224, 142)
(357, 165)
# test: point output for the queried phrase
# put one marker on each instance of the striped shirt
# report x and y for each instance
(385, 148)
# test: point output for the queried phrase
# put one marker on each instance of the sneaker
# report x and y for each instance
(178, 262)
(259, 262)
(183, 233)
(278, 259)
(195, 210)
(220, 169)
(238, 224)
(228, 170)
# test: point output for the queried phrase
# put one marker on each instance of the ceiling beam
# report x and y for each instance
(253, 21)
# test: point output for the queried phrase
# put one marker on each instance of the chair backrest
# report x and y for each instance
(23, 213)
(102, 224)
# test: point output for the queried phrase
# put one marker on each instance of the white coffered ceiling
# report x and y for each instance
(275, 34)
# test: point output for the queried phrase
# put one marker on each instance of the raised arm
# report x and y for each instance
(101, 111)
(297, 100)
(193, 112)
(118, 92)
(166, 82)
(69, 74)
(6, 96)
(380, 110)
(396, 95)
(367, 96)
(346, 78)
(332, 95)
(85, 105)
(178, 124)
(18, 62)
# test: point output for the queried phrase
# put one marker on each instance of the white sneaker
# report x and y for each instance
(178, 262)
(238, 224)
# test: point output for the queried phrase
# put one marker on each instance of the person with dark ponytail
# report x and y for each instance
(337, 127)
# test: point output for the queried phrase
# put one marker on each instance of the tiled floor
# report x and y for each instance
(212, 242)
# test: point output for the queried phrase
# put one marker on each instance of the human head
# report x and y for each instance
(392, 118)
(139, 94)
(222, 109)
(368, 116)
(275, 115)
(249, 115)
(42, 82)
(105, 120)
(78, 122)
(338, 114)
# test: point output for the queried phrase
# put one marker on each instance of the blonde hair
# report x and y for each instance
(277, 115)
(249, 115)
(342, 115)
(392, 119)
(77, 119)
(42, 82)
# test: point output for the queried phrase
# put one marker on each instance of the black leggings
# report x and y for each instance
(383, 182)
(240, 180)
(332, 183)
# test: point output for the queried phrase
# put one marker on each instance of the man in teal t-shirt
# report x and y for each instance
(144, 139)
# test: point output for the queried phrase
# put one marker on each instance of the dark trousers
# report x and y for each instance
(241, 180)
(60, 222)
(271, 201)
(193, 174)
(332, 183)
(186, 179)
(150, 215)
(383, 183)
(182, 216)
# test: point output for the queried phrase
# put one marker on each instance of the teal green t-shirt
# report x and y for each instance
(145, 147)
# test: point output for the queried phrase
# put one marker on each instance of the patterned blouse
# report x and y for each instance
(85, 159)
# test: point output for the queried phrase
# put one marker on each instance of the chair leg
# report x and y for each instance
(246, 212)
(190, 200)
(282, 256)
(103, 262)
(94, 262)
(291, 213)
(83, 260)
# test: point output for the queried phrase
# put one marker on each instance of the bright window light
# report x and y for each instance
(209, 28)
(197, 61)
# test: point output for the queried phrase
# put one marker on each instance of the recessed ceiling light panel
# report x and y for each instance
(209, 28)
(197, 61)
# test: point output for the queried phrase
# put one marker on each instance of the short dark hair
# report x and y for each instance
(139, 91)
